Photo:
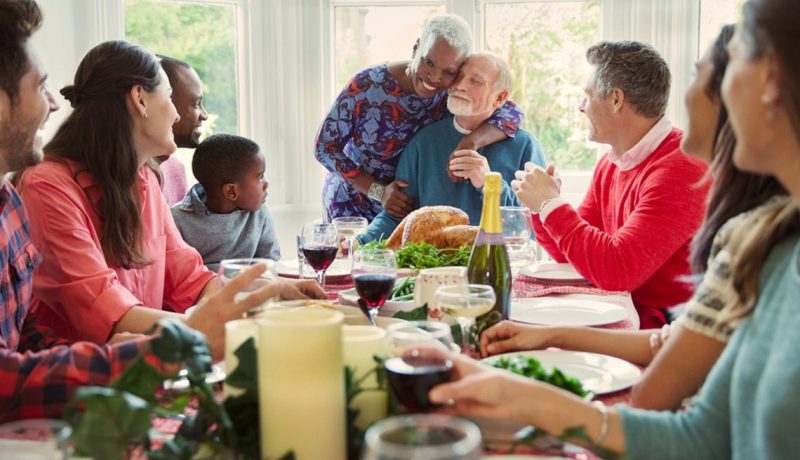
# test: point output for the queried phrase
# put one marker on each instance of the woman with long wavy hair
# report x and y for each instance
(113, 258)
(748, 405)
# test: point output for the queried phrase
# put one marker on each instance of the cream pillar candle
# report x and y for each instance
(301, 384)
(236, 333)
(361, 343)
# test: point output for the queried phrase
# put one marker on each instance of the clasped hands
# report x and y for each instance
(535, 185)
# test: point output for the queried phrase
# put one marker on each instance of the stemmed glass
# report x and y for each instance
(465, 302)
(374, 273)
(410, 334)
(349, 228)
(428, 436)
(517, 236)
(320, 245)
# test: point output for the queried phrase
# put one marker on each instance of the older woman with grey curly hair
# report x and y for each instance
(380, 109)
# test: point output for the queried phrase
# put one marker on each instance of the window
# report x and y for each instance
(545, 45)
(367, 35)
(713, 15)
(204, 36)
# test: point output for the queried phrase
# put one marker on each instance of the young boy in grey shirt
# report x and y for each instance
(224, 215)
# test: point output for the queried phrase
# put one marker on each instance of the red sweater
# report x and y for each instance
(632, 231)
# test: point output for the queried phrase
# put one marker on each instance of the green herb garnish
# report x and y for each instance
(532, 368)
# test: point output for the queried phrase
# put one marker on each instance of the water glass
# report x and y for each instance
(320, 245)
(465, 303)
(423, 436)
(374, 273)
(517, 236)
(35, 439)
(349, 228)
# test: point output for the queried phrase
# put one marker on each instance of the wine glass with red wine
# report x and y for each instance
(320, 244)
(411, 376)
(374, 274)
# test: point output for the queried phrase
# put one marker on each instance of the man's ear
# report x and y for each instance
(502, 97)
(137, 101)
(771, 76)
(617, 99)
(231, 191)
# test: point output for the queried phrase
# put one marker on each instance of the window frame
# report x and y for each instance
(304, 31)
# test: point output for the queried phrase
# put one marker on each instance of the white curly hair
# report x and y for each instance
(451, 28)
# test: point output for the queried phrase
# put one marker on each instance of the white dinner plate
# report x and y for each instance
(566, 311)
(337, 272)
(553, 272)
(599, 374)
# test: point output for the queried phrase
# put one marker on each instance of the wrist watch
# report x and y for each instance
(375, 191)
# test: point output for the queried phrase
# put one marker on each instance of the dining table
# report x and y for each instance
(498, 436)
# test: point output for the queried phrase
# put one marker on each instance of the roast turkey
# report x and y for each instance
(441, 226)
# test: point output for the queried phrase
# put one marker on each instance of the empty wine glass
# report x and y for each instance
(465, 302)
(349, 228)
(320, 245)
(428, 436)
(374, 274)
(517, 236)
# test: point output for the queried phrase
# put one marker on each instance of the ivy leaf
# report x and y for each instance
(111, 420)
(140, 379)
(245, 375)
(417, 314)
(178, 343)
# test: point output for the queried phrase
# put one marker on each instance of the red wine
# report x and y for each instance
(374, 288)
(319, 257)
(411, 378)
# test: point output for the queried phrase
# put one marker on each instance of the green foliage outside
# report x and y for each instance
(545, 46)
(203, 36)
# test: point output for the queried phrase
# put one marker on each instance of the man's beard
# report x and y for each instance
(18, 144)
(460, 107)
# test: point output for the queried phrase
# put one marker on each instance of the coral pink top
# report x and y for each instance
(632, 231)
(75, 291)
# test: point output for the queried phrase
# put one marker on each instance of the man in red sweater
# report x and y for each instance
(633, 229)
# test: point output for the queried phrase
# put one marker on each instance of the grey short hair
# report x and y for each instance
(505, 79)
(635, 68)
(451, 28)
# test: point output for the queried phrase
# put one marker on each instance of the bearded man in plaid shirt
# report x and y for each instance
(38, 372)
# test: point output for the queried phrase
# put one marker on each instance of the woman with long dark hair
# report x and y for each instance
(749, 403)
(113, 258)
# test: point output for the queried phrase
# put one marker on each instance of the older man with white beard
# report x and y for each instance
(483, 85)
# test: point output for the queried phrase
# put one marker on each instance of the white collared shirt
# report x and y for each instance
(646, 145)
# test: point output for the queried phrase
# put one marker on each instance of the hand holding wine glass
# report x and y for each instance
(374, 274)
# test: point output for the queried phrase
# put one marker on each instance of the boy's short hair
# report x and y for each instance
(222, 159)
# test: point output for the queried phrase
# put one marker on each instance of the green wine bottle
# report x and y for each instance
(488, 262)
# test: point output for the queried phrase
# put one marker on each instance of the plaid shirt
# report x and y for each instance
(39, 372)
